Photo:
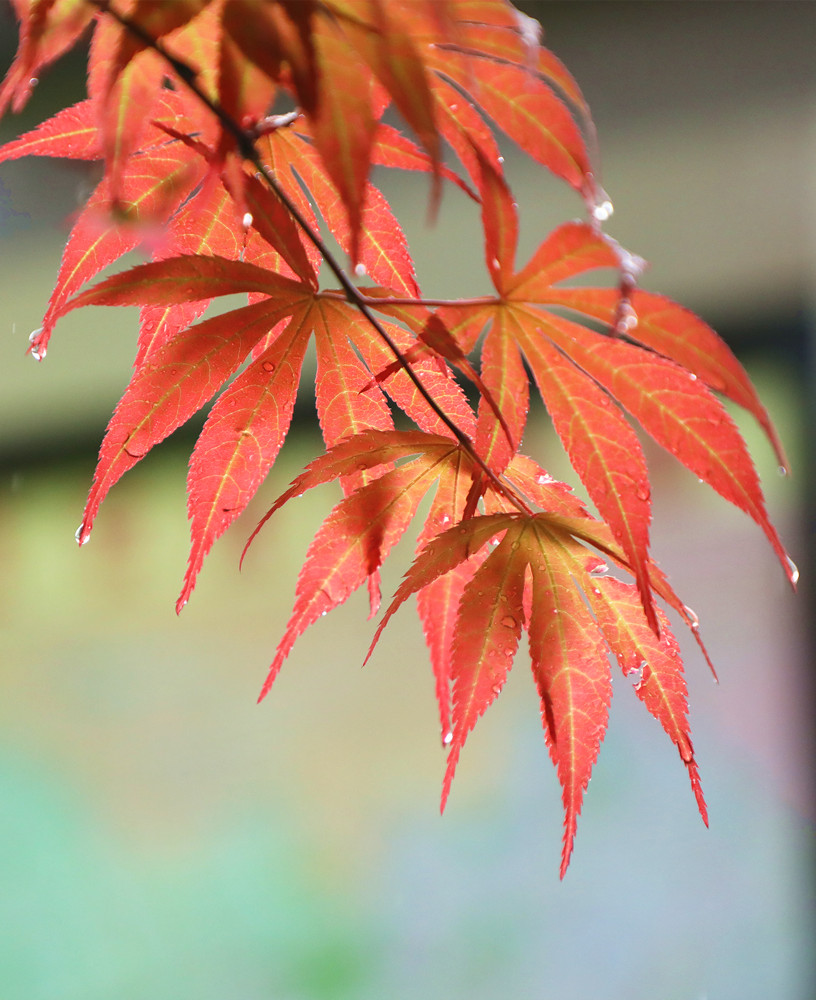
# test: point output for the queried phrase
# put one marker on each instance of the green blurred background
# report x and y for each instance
(163, 836)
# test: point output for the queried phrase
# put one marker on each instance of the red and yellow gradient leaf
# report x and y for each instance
(274, 223)
(679, 335)
(485, 640)
(547, 493)
(568, 251)
(343, 405)
(357, 453)
(386, 44)
(435, 377)
(662, 686)
(246, 88)
(499, 221)
(183, 279)
(527, 111)
(152, 186)
(277, 38)
(240, 442)
(345, 96)
(571, 670)
(463, 127)
(393, 149)
(72, 133)
(502, 371)
(511, 46)
(677, 410)
(167, 390)
(48, 28)
(350, 547)
(115, 47)
(207, 224)
(442, 554)
(604, 451)
(383, 250)
(438, 602)
(125, 112)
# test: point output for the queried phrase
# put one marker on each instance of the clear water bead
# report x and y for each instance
(603, 207)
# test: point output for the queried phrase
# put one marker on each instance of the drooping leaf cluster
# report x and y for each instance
(228, 129)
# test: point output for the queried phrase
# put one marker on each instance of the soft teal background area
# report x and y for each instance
(162, 836)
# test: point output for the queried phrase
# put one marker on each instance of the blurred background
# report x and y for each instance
(162, 836)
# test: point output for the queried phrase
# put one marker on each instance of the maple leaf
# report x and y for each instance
(182, 375)
(581, 374)
(228, 196)
(570, 629)
(47, 30)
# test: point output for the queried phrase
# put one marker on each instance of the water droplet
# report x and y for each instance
(694, 620)
(636, 674)
(497, 688)
(445, 519)
(37, 352)
(643, 492)
(603, 207)
(793, 570)
(692, 376)
(627, 318)
(496, 262)
(246, 222)
(508, 621)
(781, 470)
(447, 739)
(33, 81)
(323, 613)
(500, 159)
(453, 107)
(79, 537)
(136, 448)
(360, 270)
(543, 478)
(600, 570)
(596, 592)
(268, 366)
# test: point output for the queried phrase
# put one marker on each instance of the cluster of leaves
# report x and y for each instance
(226, 127)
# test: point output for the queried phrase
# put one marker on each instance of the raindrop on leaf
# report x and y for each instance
(603, 207)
